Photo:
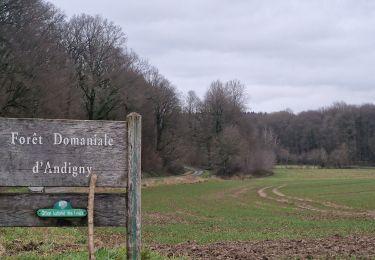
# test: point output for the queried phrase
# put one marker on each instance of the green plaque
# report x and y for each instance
(62, 209)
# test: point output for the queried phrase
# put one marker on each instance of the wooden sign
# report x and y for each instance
(66, 153)
(37, 152)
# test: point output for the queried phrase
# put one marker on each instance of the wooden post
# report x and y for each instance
(133, 238)
(90, 210)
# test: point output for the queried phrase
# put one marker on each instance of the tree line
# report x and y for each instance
(82, 68)
(341, 135)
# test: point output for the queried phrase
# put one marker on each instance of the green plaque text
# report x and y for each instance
(61, 213)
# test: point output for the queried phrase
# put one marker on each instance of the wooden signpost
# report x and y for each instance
(67, 153)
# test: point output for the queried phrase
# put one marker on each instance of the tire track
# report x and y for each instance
(327, 204)
(283, 199)
(306, 204)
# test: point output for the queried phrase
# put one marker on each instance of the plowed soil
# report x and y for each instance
(336, 247)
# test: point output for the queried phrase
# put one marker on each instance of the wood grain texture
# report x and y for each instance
(19, 209)
(134, 187)
(90, 216)
(17, 160)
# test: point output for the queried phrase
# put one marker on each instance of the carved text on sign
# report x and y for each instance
(65, 168)
(59, 139)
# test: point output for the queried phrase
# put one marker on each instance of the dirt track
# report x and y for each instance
(335, 247)
(324, 207)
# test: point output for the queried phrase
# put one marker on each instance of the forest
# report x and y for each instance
(82, 68)
(337, 136)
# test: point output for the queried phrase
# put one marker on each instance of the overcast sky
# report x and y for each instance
(300, 55)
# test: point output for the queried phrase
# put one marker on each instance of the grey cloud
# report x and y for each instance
(284, 51)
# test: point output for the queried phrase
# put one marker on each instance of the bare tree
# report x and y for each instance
(95, 46)
(237, 95)
(215, 104)
(227, 151)
(165, 104)
(29, 50)
(192, 103)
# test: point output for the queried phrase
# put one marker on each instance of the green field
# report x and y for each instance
(291, 204)
(233, 210)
